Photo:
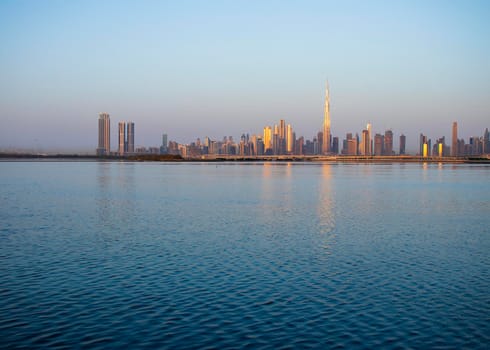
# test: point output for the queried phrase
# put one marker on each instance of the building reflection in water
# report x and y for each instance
(103, 193)
(326, 204)
(276, 197)
(297, 200)
(115, 197)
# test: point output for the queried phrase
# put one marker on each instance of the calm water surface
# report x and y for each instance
(101, 255)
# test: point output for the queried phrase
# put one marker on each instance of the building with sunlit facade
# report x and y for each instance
(104, 147)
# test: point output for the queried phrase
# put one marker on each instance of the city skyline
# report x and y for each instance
(226, 68)
(281, 139)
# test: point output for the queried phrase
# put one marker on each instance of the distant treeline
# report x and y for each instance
(142, 157)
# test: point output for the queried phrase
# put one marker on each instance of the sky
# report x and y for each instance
(213, 68)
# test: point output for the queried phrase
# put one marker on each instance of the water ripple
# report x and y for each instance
(243, 256)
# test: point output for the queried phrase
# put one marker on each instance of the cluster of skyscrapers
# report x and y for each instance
(477, 145)
(126, 136)
(281, 139)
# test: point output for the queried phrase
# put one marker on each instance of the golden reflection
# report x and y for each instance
(276, 195)
(425, 168)
(326, 200)
(267, 170)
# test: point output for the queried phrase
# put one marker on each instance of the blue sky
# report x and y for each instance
(213, 68)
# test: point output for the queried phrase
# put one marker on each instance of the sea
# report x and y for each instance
(274, 255)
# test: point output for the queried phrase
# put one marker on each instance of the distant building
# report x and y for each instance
(425, 144)
(364, 145)
(267, 140)
(403, 142)
(325, 141)
(335, 145)
(352, 147)
(379, 145)
(130, 137)
(122, 138)
(164, 146)
(454, 141)
(290, 139)
(440, 149)
(388, 140)
(369, 150)
(486, 142)
(104, 147)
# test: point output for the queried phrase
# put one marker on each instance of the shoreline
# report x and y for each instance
(484, 159)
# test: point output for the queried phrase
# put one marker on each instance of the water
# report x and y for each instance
(232, 255)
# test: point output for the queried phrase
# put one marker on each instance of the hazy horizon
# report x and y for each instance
(196, 69)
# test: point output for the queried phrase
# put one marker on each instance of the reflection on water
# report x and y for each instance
(115, 196)
(148, 255)
(326, 200)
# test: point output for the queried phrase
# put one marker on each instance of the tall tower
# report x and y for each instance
(364, 145)
(122, 138)
(289, 139)
(369, 150)
(388, 146)
(267, 139)
(164, 146)
(326, 124)
(454, 143)
(130, 137)
(104, 147)
(403, 141)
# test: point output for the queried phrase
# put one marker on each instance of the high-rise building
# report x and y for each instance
(440, 149)
(352, 146)
(275, 144)
(364, 145)
(486, 142)
(403, 141)
(425, 143)
(454, 141)
(326, 123)
(388, 140)
(164, 146)
(130, 137)
(267, 140)
(104, 147)
(379, 141)
(320, 139)
(335, 145)
(369, 150)
(122, 138)
(289, 139)
(282, 129)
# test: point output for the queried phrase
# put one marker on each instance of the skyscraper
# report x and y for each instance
(267, 140)
(122, 138)
(364, 145)
(326, 123)
(486, 141)
(403, 141)
(164, 146)
(369, 150)
(379, 144)
(388, 143)
(454, 141)
(104, 147)
(130, 137)
(425, 143)
(289, 139)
